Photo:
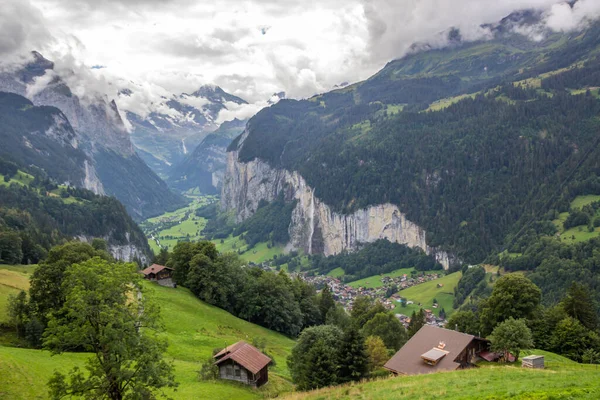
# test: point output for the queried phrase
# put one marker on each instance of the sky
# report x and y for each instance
(251, 48)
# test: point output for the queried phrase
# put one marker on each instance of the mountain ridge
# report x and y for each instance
(100, 134)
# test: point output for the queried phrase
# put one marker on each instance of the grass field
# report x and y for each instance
(562, 379)
(21, 178)
(336, 273)
(578, 233)
(445, 103)
(13, 279)
(193, 329)
(426, 292)
(187, 223)
(258, 254)
(375, 281)
(582, 201)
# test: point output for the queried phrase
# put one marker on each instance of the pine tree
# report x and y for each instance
(323, 367)
(353, 357)
(579, 304)
(326, 303)
(417, 320)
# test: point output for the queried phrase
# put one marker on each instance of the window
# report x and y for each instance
(238, 373)
(229, 371)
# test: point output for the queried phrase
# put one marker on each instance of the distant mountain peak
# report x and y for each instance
(216, 94)
(36, 67)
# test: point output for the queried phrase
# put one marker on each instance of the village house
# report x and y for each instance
(244, 363)
(160, 274)
(434, 349)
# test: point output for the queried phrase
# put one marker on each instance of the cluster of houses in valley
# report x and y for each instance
(430, 319)
(345, 294)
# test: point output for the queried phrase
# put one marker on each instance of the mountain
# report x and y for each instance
(82, 141)
(452, 150)
(164, 138)
(36, 214)
(44, 137)
(204, 168)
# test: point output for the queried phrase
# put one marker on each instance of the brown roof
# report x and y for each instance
(408, 361)
(154, 269)
(244, 354)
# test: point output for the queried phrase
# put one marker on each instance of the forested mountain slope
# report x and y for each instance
(41, 136)
(470, 142)
(36, 214)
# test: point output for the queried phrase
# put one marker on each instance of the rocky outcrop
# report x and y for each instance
(315, 227)
(122, 252)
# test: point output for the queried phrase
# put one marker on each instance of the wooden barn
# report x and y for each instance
(157, 272)
(244, 363)
(434, 349)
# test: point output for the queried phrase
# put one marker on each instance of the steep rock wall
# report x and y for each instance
(121, 252)
(315, 227)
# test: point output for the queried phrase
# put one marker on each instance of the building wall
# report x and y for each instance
(234, 372)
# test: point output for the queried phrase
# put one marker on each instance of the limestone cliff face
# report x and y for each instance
(315, 227)
(121, 252)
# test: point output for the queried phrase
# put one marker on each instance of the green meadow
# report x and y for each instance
(561, 379)
(424, 294)
(577, 234)
(374, 281)
(192, 327)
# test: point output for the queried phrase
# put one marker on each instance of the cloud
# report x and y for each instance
(162, 48)
(563, 17)
(22, 29)
(240, 111)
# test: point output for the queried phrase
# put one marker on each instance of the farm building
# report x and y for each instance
(157, 272)
(434, 349)
(244, 363)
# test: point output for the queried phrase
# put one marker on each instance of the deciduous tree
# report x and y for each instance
(386, 326)
(106, 313)
(512, 335)
(376, 351)
(513, 296)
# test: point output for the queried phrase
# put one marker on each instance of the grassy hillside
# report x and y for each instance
(562, 379)
(578, 233)
(261, 252)
(375, 280)
(426, 292)
(192, 327)
(174, 226)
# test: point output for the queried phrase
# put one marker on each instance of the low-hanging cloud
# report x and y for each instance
(564, 17)
(22, 29)
(160, 49)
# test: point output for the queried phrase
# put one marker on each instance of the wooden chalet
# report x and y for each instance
(434, 349)
(244, 363)
(157, 272)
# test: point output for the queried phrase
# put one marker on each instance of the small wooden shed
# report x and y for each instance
(533, 362)
(244, 363)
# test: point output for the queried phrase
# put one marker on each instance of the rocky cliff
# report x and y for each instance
(127, 252)
(315, 228)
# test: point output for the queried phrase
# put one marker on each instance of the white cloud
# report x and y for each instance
(563, 17)
(251, 48)
(239, 111)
